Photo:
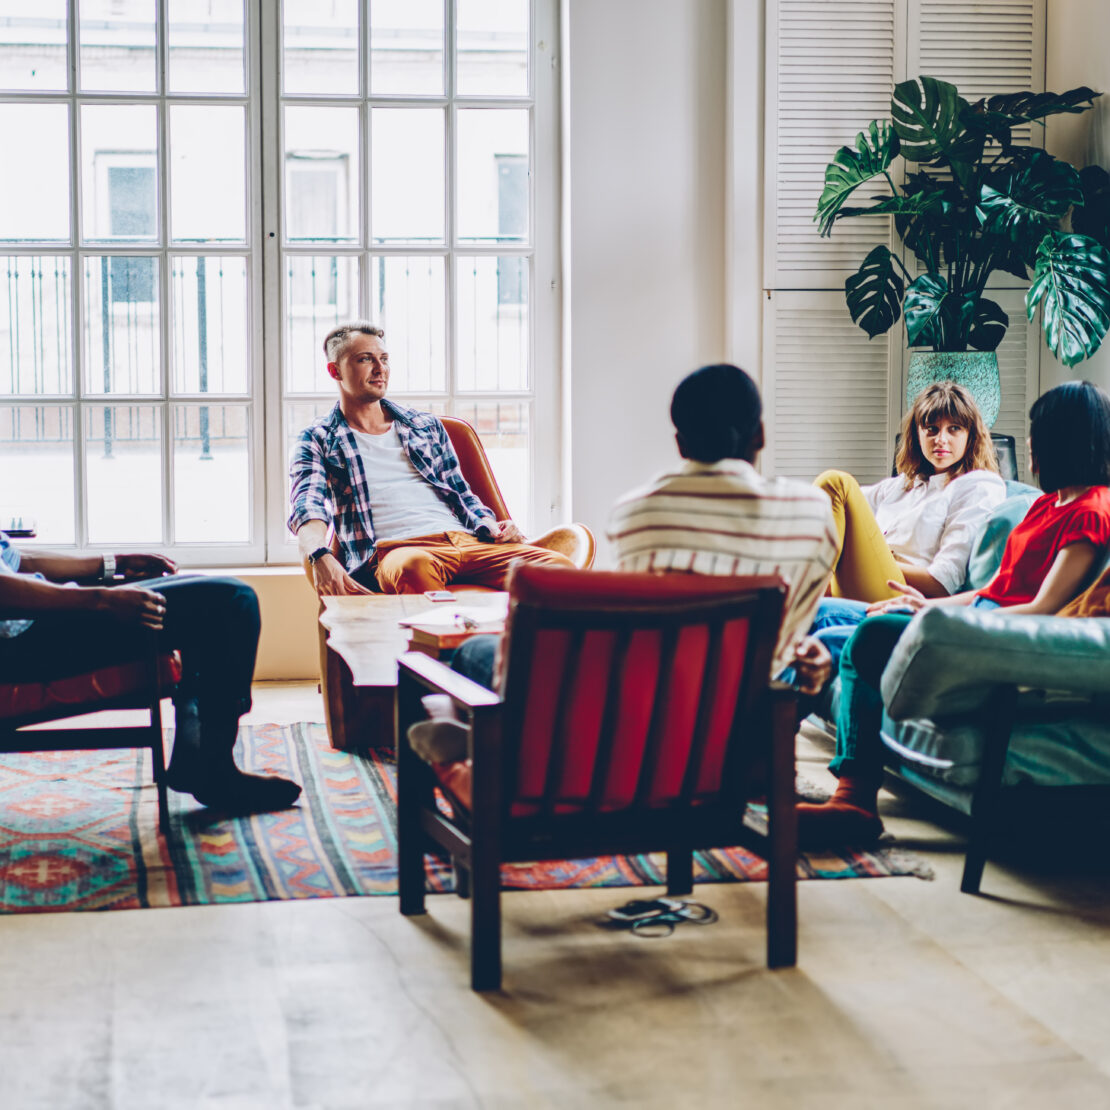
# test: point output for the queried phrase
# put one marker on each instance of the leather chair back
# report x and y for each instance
(632, 690)
(474, 464)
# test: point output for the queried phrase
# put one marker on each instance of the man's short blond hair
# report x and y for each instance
(338, 339)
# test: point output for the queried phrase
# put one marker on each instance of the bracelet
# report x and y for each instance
(108, 568)
(318, 554)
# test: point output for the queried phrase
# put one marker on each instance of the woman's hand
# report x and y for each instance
(910, 601)
(812, 665)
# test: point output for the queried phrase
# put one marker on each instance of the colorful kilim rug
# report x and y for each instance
(79, 831)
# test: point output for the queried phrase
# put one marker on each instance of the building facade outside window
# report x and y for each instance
(198, 190)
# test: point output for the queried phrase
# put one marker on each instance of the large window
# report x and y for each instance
(196, 191)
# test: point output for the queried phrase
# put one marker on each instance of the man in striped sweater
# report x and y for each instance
(717, 515)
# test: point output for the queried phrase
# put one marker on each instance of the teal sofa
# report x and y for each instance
(978, 701)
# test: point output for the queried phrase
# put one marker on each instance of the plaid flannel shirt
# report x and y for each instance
(329, 481)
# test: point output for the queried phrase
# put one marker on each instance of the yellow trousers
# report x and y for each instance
(864, 561)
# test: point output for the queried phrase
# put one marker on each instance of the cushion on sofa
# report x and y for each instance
(986, 552)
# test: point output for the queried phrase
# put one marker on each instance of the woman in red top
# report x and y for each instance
(1049, 558)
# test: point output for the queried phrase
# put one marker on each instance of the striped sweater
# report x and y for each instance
(725, 518)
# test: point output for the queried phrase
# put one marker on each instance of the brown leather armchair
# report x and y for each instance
(352, 713)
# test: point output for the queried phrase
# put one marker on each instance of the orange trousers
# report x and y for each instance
(419, 563)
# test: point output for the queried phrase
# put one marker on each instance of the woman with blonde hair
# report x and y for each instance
(917, 528)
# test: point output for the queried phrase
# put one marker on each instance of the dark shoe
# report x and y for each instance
(238, 792)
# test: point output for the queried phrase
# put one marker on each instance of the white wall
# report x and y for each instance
(1077, 54)
(644, 240)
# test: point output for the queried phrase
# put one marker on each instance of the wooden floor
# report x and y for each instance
(907, 994)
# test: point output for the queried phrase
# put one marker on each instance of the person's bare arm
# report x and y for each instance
(921, 580)
(1065, 578)
(328, 574)
(23, 596)
(58, 567)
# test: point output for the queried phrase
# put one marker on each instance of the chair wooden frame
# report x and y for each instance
(16, 737)
(760, 758)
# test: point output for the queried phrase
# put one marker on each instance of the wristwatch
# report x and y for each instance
(318, 554)
(108, 568)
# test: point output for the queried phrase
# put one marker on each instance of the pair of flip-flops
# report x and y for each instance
(657, 917)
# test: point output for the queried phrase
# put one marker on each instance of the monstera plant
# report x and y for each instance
(973, 201)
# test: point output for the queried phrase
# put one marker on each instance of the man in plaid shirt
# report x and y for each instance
(388, 480)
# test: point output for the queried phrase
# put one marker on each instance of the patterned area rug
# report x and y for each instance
(78, 831)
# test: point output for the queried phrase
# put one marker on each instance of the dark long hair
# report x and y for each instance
(1069, 437)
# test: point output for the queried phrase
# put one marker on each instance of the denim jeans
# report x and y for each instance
(859, 745)
(836, 619)
(475, 658)
(213, 622)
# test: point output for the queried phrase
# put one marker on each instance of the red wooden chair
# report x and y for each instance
(139, 684)
(636, 715)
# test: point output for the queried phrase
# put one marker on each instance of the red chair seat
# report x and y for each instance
(22, 699)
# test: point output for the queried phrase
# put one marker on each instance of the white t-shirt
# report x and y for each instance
(402, 502)
(933, 524)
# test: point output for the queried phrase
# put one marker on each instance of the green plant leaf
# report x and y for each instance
(1028, 201)
(875, 149)
(874, 293)
(936, 316)
(926, 117)
(1025, 107)
(1071, 284)
(988, 325)
(1093, 218)
(901, 206)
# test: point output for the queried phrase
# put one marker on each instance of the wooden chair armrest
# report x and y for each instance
(436, 676)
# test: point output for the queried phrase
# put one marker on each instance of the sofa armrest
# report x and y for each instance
(949, 662)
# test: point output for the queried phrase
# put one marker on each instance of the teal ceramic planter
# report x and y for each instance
(976, 371)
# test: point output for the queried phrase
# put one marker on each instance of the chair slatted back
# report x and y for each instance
(626, 691)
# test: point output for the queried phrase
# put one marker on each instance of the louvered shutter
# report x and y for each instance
(830, 70)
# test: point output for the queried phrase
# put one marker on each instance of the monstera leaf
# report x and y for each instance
(1071, 284)
(926, 114)
(875, 149)
(1025, 107)
(1093, 219)
(1029, 200)
(988, 325)
(897, 205)
(874, 293)
(936, 316)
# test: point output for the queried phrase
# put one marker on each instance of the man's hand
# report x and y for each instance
(910, 601)
(812, 665)
(331, 580)
(133, 605)
(136, 567)
(506, 531)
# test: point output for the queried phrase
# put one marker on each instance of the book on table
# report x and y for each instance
(447, 626)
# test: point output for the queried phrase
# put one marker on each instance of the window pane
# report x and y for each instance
(117, 45)
(491, 322)
(33, 45)
(408, 302)
(406, 46)
(492, 51)
(119, 310)
(36, 468)
(321, 291)
(35, 325)
(493, 173)
(211, 479)
(320, 47)
(207, 173)
(119, 158)
(123, 473)
(204, 45)
(321, 173)
(503, 429)
(210, 310)
(35, 206)
(407, 183)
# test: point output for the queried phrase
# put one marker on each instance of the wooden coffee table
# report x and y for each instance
(364, 641)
